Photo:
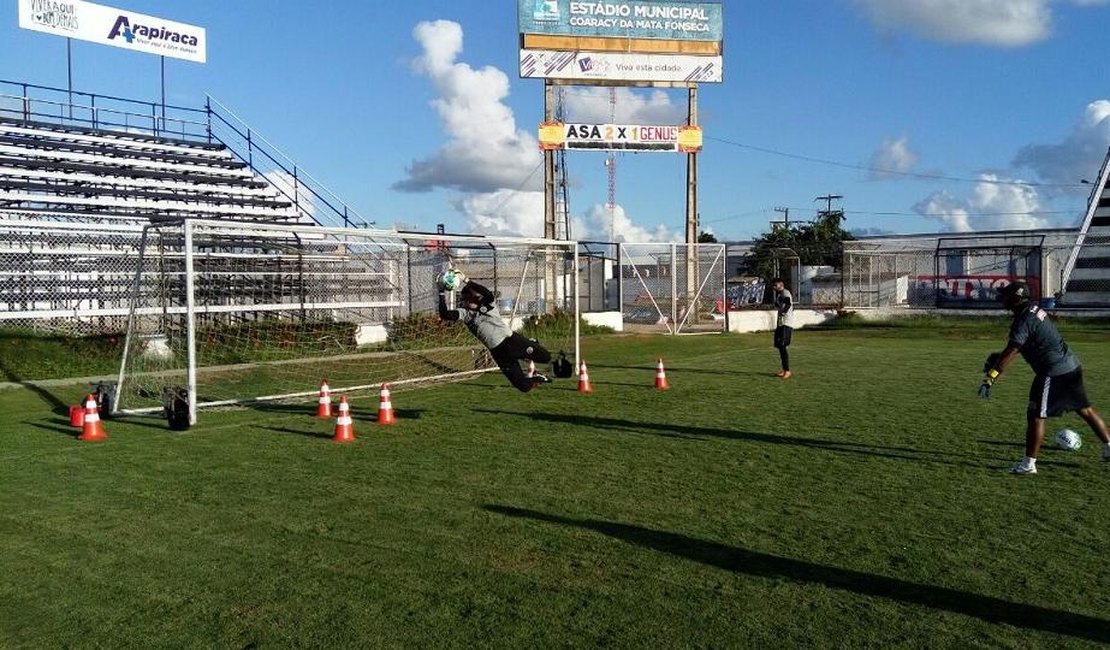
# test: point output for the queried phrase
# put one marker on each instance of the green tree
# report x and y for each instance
(817, 243)
(707, 238)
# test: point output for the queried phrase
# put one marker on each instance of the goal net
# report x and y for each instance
(227, 313)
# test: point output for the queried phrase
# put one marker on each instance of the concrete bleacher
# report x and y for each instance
(66, 169)
(1088, 272)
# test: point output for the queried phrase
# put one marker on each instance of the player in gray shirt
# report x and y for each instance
(507, 347)
(1058, 385)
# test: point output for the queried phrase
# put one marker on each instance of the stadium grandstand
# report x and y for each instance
(82, 173)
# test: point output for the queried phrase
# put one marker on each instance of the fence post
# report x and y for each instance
(674, 288)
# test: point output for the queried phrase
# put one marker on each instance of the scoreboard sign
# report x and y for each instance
(620, 137)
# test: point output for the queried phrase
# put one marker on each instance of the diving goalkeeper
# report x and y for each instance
(507, 347)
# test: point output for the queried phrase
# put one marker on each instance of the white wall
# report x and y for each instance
(612, 319)
(763, 320)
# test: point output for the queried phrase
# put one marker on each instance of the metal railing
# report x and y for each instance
(213, 124)
(310, 196)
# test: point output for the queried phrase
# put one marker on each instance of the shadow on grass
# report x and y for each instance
(69, 431)
(320, 435)
(764, 565)
(57, 406)
(690, 432)
(682, 370)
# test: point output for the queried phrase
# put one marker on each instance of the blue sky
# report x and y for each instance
(990, 111)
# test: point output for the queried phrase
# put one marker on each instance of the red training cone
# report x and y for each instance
(77, 416)
(92, 429)
(385, 406)
(323, 407)
(344, 427)
(584, 385)
(661, 376)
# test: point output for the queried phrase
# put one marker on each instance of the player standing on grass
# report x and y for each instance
(507, 347)
(784, 324)
(1058, 385)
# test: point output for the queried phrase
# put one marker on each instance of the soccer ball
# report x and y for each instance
(451, 280)
(1068, 439)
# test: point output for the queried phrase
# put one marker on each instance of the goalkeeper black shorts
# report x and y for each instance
(783, 334)
(1050, 397)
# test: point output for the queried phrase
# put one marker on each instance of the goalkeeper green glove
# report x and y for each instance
(988, 381)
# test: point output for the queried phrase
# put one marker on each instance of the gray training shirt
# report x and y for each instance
(1041, 345)
(487, 326)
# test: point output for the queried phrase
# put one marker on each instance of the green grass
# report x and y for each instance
(864, 503)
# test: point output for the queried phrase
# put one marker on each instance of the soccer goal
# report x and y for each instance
(225, 313)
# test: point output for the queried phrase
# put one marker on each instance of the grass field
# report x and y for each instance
(864, 503)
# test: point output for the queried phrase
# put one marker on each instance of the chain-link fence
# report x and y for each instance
(956, 272)
(64, 277)
(673, 288)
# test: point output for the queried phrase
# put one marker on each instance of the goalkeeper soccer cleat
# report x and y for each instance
(1024, 467)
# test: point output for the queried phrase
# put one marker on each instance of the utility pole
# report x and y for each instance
(828, 199)
(785, 212)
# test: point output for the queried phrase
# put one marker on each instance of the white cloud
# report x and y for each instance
(504, 212)
(591, 105)
(991, 206)
(1003, 23)
(1081, 153)
(599, 222)
(485, 151)
(893, 156)
(495, 165)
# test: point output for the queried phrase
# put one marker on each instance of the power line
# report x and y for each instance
(518, 188)
(867, 213)
(879, 170)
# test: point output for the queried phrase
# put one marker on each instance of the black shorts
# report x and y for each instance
(1050, 397)
(783, 335)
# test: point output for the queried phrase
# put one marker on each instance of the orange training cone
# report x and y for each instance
(77, 416)
(385, 406)
(344, 428)
(584, 385)
(323, 407)
(92, 429)
(661, 376)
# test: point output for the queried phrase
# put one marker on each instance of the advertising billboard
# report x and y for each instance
(129, 30)
(591, 66)
(635, 41)
(619, 137)
(684, 20)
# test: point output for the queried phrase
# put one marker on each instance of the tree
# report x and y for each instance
(818, 243)
(707, 238)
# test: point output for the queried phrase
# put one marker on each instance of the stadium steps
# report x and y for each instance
(90, 173)
(1087, 274)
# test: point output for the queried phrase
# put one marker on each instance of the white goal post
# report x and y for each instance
(225, 313)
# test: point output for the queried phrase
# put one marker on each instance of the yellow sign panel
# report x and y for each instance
(689, 139)
(552, 136)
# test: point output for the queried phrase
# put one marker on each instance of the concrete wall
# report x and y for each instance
(612, 319)
(763, 320)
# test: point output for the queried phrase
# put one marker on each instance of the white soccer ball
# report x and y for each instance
(1068, 439)
(451, 280)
